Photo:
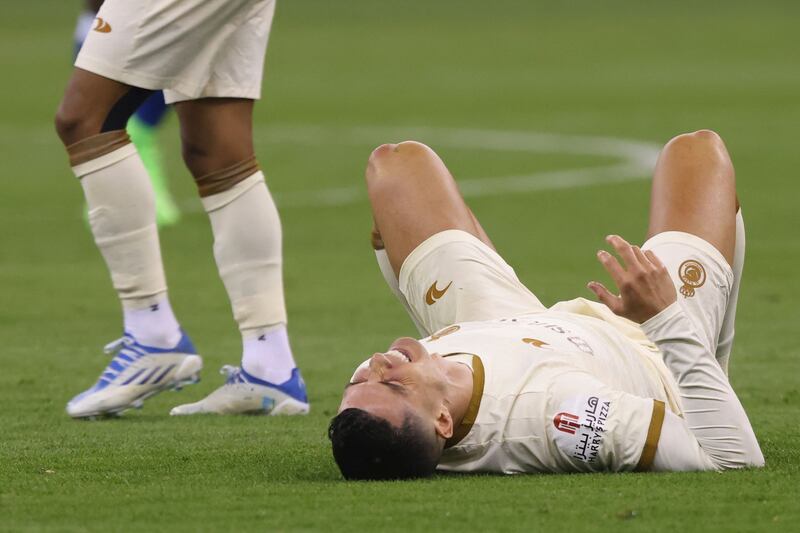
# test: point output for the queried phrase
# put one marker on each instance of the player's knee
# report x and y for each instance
(702, 145)
(698, 143)
(217, 169)
(72, 127)
(387, 159)
(195, 156)
(204, 154)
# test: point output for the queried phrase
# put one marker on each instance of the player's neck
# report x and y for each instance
(459, 391)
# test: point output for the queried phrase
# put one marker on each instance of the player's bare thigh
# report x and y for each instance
(694, 191)
(216, 133)
(413, 197)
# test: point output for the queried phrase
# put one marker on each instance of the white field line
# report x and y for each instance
(635, 158)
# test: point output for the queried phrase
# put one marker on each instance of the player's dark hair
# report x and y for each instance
(366, 446)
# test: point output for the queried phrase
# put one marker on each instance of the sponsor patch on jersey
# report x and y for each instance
(580, 425)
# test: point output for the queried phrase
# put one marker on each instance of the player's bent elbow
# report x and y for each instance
(756, 459)
(748, 459)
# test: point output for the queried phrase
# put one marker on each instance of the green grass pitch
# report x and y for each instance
(342, 77)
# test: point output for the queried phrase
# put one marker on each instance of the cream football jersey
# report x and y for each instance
(554, 392)
(570, 389)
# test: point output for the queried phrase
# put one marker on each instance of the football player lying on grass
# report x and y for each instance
(501, 383)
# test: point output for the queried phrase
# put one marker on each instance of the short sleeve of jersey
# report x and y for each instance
(591, 427)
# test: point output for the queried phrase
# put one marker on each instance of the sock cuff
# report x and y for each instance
(221, 199)
(144, 302)
(255, 333)
(99, 151)
(227, 178)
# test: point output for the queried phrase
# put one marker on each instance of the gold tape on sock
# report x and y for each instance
(222, 180)
(96, 146)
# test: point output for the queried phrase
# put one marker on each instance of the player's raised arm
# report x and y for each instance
(715, 431)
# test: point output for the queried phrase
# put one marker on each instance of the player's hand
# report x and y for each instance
(645, 287)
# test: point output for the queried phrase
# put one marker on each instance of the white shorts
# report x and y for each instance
(702, 277)
(189, 48)
(454, 277)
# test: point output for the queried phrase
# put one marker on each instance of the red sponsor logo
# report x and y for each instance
(566, 422)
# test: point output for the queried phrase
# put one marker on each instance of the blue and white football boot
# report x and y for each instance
(136, 373)
(243, 393)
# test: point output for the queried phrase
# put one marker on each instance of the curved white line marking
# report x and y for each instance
(635, 158)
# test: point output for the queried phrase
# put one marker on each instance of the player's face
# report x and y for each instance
(404, 377)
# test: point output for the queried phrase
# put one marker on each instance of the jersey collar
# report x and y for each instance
(478, 379)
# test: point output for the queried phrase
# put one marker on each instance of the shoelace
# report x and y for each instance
(123, 357)
(232, 373)
(117, 345)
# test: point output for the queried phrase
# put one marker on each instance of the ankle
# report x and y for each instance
(267, 354)
(151, 321)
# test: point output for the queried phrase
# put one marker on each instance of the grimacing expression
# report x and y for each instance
(405, 377)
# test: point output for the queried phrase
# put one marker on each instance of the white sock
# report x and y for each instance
(247, 248)
(122, 217)
(391, 280)
(726, 333)
(267, 355)
(152, 322)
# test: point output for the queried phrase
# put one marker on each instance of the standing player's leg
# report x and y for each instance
(416, 206)
(694, 191)
(154, 353)
(218, 149)
(141, 127)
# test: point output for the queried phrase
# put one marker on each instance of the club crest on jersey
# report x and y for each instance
(693, 276)
(581, 427)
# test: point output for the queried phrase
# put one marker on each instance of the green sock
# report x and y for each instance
(145, 139)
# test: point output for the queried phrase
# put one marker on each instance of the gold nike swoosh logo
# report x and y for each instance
(534, 342)
(434, 293)
(102, 26)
